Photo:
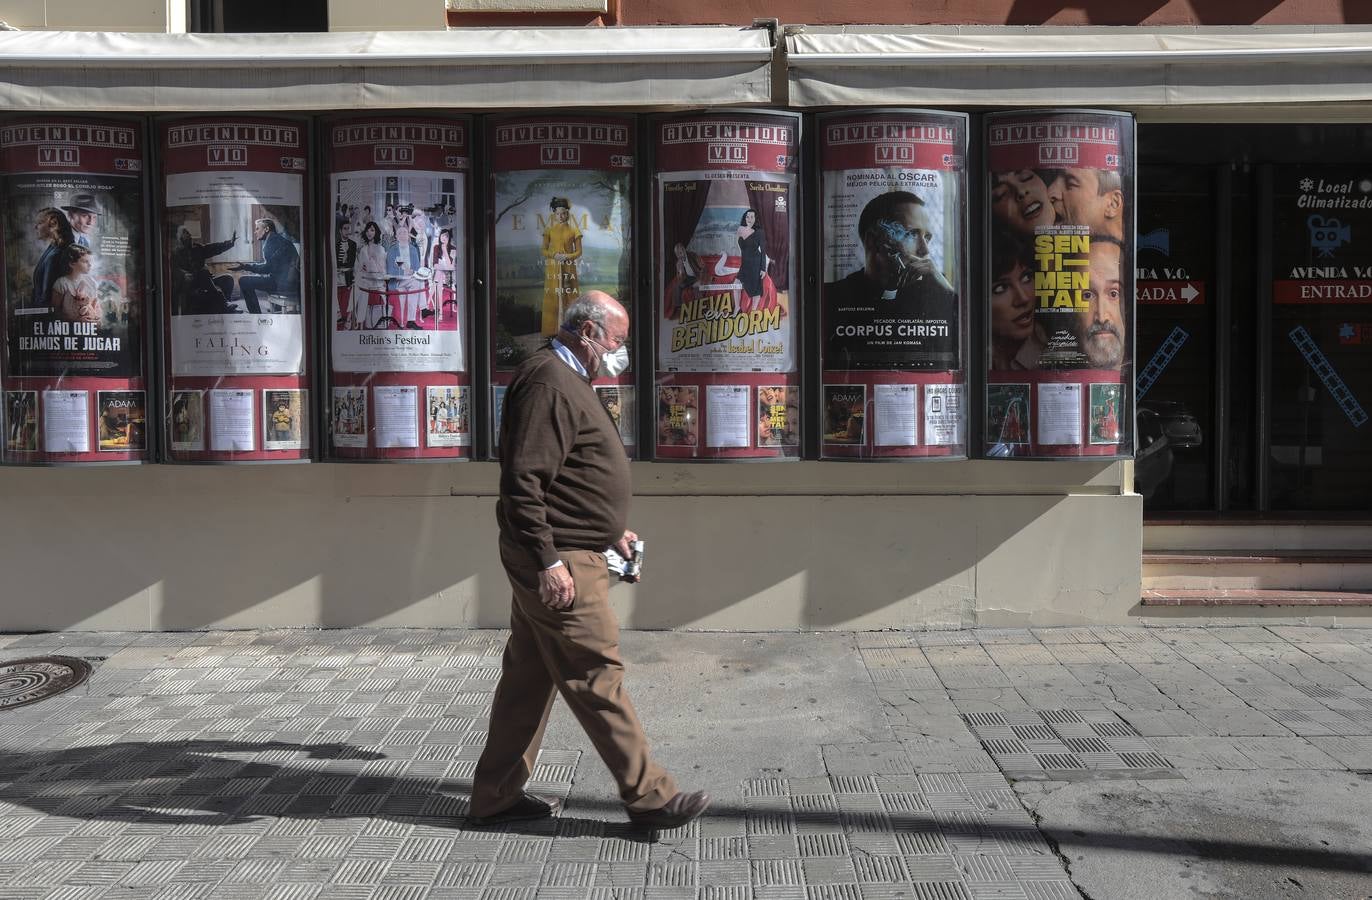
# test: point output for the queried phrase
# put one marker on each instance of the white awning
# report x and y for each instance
(1101, 67)
(474, 68)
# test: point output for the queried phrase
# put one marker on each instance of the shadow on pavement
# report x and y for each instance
(200, 782)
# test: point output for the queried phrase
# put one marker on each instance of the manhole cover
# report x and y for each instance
(26, 681)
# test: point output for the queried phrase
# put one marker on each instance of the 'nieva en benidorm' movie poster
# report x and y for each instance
(727, 282)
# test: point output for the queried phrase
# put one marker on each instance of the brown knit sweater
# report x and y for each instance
(564, 476)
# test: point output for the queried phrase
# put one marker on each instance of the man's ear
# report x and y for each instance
(1114, 204)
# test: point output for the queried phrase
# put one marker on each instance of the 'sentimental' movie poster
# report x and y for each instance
(232, 228)
(1060, 269)
(398, 248)
(1060, 256)
(563, 218)
(893, 196)
(73, 240)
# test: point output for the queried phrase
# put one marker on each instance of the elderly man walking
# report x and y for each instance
(564, 499)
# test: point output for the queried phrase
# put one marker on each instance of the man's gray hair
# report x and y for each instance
(584, 309)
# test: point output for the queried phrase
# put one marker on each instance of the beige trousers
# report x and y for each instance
(574, 652)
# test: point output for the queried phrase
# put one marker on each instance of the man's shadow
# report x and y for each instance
(199, 782)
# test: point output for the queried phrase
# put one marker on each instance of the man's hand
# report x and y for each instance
(622, 545)
(919, 267)
(556, 588)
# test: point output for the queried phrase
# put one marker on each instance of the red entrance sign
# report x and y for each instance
(1323, 291)
(1170, 293)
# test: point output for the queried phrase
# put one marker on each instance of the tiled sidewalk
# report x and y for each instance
(300, 764)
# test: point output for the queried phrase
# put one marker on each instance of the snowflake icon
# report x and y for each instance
(1307, 185)
(1346, 332)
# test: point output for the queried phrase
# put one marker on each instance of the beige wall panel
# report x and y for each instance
(390, 15)
(862, 546)
(24, 13)
(1059, 561)
(107, 15)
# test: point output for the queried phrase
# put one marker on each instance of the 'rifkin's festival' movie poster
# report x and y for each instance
(234, 246)
(448, 416)
(727, 273)
(1060, 261)
(562, 224)
(349, 416)
(73, 249)
(398, 246)
(892, 238)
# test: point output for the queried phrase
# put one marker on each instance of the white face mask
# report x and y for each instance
(615, 362)
(612, 362)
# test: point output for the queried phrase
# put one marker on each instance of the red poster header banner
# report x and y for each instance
(428, 144)
(261, 145)
(562, 142)
(907, 140)
(750, 142)
(91, 147)
(1055, 141)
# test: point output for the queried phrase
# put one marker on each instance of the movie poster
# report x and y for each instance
(726, 271)
(893, 187)
(562, 223)
(121, 421)
(1008, 419)
(283, 419)
(188, 420)
(349, 417)
(449, 417)
(398, 247)
(1060, 268)
(73, 241)
(845, 413)
(1060, 190)
(678, 416)
(21, 421)
(618, 400)
(73, 264)
(778, 415)
(726, 232)
(232, 228)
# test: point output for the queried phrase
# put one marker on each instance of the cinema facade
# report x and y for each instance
(937, 327)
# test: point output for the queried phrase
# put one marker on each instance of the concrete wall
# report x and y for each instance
(390, 15)
(95, 15)
(751, 547)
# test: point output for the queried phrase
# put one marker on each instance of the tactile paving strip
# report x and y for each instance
(1067, 745)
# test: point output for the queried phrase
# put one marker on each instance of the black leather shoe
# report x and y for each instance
(524, 809)
(677, 812)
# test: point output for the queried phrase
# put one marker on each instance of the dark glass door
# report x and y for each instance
(1176, 293)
